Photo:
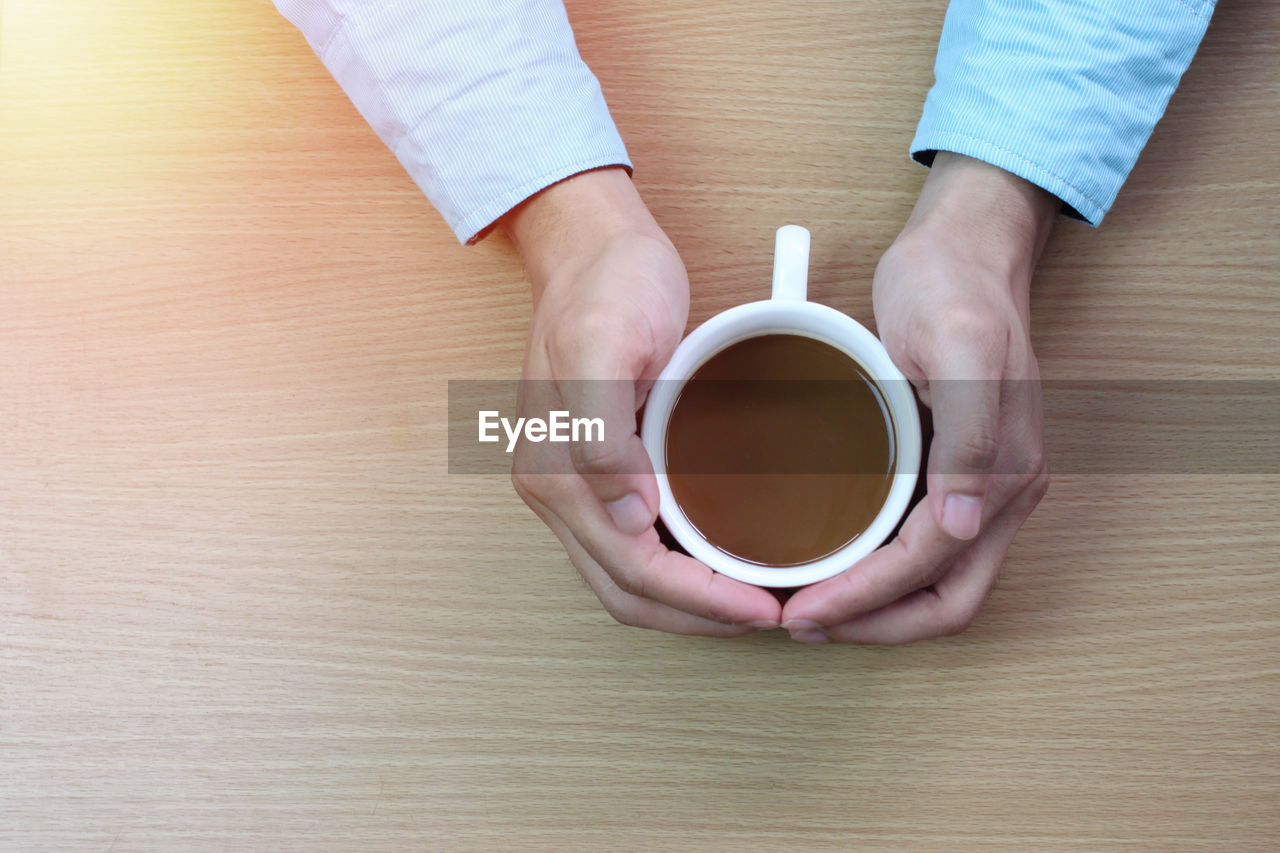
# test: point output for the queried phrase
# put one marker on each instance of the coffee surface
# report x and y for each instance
(780, 450)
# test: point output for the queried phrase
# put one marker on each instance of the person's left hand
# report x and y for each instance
(952, 305)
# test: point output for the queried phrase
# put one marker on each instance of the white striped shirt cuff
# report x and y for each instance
(485, 102)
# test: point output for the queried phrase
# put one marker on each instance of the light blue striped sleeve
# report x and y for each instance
(485, 102)
(1064, 93)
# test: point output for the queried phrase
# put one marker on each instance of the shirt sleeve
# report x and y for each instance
(484, 102)
(1064, 93)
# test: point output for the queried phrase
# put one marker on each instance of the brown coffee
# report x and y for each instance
(780, 450)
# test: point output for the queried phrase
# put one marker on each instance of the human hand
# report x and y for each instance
(611, 298)
(951, 299)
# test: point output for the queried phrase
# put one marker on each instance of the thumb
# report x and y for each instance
(966, 442)
(608, 453)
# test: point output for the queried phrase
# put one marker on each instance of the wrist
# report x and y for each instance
(987, 216)
(562, 228)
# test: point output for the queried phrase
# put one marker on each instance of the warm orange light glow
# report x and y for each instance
(86, 86)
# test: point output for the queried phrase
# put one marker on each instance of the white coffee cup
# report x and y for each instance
(787, 312)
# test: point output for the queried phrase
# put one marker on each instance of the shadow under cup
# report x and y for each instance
(780, 450)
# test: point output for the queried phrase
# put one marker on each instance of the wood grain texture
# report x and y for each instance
(244, 607)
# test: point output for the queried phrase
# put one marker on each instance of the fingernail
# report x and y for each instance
(630, 514)
(763, 624)
(805, 631)
(962, 516)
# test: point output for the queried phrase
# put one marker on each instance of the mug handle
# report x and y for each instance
(791, 263)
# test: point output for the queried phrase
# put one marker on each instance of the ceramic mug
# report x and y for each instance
(786, 312)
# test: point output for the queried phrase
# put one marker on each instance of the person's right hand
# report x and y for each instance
(611, 298)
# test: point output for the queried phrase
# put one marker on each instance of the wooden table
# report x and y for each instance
(243, 605)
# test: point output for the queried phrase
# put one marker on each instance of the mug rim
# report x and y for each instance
(808, 319)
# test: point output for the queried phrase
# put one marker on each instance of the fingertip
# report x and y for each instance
(630, 514)
(806, 631)
(743, 603)
(962, 516)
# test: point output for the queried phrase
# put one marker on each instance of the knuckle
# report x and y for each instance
(598, 457)
(985, 329)
(523, 466)
(1039, 486)
(958, 619)
(899, 351)
(535, 487)
(590, 328)
(1039, 462)
(925, 576)
(978, 451)
(630, 582)
(716, 613)
(981, 335)
(855, 586)
(520, 482)
(624, 612)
